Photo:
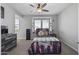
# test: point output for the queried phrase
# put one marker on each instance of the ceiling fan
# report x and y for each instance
(39, 7)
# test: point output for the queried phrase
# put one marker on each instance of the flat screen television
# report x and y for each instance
(4, 30)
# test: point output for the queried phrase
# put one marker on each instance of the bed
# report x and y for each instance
(44, 44)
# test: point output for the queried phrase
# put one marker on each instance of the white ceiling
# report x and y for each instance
(25, 9)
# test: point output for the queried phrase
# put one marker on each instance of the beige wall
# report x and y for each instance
(78, 28)
(0, 30)
(9, 17)
(68, 26)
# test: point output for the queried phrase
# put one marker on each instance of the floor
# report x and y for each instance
(23, 45)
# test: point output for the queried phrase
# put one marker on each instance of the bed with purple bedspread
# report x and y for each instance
(44, 46)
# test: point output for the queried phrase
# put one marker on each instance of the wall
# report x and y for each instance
(0, 30)
(9, 18)
(68, 26)
(78, 28)
(26, 22)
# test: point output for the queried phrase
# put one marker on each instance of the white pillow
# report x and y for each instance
(41, 33)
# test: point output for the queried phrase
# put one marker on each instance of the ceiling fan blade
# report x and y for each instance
(38, 6)
(45, 10)
(43, 5)
(31, 5)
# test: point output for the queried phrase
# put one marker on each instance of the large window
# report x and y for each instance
(42, 23)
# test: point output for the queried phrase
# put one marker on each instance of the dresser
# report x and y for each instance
(8, 41)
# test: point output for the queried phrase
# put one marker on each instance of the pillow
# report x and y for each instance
(41, 33)
(46, 33)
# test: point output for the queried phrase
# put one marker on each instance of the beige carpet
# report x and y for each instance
(23, 45)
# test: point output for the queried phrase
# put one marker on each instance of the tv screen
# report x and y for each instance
(4, 31)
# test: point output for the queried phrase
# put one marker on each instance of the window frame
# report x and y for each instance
(34, 18)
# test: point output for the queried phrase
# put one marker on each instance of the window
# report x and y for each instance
(16, 23)
(41, 23)
(45, 23)
(37, 24)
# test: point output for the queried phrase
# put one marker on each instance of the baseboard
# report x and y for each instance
(21, 39)
(70, 46)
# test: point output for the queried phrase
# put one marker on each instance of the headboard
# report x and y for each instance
(44, 30)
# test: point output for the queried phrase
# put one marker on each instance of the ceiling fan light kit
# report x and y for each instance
(39, 10)
(40, 7)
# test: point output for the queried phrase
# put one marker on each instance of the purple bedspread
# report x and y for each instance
(43, 48)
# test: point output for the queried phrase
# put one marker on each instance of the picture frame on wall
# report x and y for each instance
(2, 12)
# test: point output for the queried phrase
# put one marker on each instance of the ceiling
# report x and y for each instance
(25, 9)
